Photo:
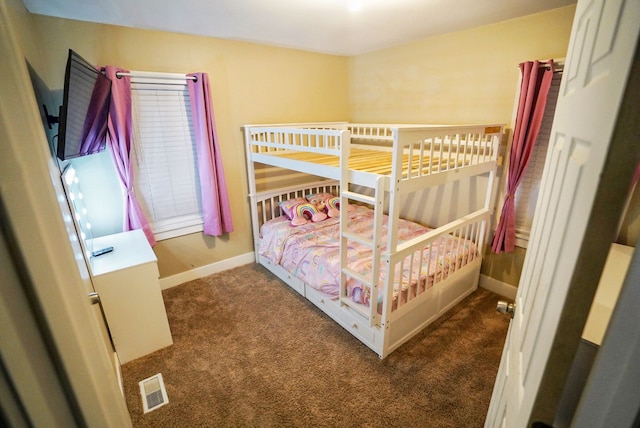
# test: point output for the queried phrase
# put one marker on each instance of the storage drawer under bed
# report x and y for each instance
(351, 320)
(285, 276)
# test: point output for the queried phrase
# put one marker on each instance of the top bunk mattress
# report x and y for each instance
(380, 162)
(372, 151)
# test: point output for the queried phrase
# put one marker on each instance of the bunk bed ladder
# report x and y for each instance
(372, 241)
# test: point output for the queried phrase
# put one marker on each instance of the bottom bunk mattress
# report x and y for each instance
(311, 252)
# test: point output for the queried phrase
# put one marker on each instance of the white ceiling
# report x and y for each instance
(343, 27)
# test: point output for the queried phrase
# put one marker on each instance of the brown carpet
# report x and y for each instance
(250, 352)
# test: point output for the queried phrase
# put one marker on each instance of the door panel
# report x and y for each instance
(600, 52)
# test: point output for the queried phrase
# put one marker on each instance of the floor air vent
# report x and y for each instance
(153, 393)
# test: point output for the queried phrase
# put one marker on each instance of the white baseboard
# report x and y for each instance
(202, 271)
(498, 287)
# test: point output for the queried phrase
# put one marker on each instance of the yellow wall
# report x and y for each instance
(251, 83)
(463, 77)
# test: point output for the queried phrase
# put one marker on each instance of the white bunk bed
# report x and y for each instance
(373, 165)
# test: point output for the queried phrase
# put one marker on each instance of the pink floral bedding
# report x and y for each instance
(311, 252)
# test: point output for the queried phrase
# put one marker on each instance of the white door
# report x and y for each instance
(601, 49)
(32, 218)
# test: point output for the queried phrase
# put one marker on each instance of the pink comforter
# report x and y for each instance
(311, 252)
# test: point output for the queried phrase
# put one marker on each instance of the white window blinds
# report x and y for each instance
(527, 192)
(164, 159)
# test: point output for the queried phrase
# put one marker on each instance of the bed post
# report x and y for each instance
(251, 176)
(394, 189)
(489, 202)
(345, 147)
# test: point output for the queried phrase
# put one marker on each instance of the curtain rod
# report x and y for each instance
(120, 74)
(558, 67)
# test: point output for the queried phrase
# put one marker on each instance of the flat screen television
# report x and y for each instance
(84, 112)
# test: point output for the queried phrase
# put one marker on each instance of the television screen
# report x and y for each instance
(85, 109)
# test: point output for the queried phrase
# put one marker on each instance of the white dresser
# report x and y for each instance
(126, 280)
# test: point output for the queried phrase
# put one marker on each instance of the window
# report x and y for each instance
(163, 156)
(527, 192)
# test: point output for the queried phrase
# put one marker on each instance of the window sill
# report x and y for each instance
(174, 233)
(522, 239)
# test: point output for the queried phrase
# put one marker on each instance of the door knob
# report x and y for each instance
(94, 298)
(506, 308)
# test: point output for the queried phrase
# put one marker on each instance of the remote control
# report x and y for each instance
(106, 250)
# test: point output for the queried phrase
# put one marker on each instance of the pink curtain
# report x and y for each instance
(216, 210)
(536, 81)
(120, 130)
(94, 130)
